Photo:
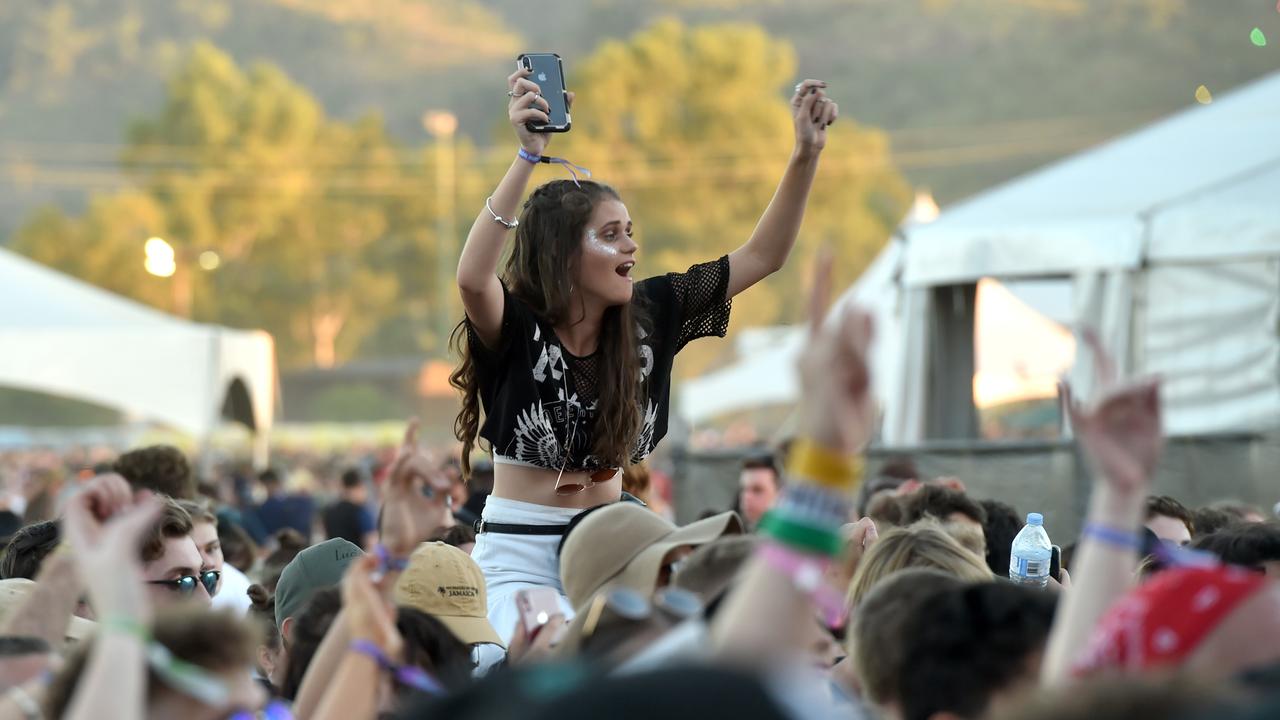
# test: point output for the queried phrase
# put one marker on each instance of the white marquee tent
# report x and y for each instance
(766, 374)
(64, 337)
(1170, 240)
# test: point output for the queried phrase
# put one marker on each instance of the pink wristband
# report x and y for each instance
(807, 572)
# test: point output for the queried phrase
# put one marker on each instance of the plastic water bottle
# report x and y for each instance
(1031, 554)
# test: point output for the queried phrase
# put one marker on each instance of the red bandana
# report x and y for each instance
(1165, 620)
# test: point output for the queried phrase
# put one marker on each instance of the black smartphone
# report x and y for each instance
(548, 73)
(1055, 564)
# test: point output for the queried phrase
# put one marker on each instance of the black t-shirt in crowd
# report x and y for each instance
(347, 520)
(540, 401)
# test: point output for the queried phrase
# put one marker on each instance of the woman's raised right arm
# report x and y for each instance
(478, 265)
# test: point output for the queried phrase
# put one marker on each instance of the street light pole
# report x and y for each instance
(443, 126)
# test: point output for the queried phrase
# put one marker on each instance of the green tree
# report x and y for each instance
(693, 125)
(246, 165)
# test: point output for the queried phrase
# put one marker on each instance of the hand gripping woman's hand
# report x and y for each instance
(528, 105)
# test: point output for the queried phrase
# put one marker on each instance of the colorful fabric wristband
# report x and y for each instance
(387, 563)
(808, 538)
(1115, 537)
(815, 505)
(823, 466)
(529, 157)
(808, 573)
(407, 675)
(126, 626)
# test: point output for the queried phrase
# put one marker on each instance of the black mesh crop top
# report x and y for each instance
(539, 401)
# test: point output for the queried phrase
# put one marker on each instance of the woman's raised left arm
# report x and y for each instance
(766, 251)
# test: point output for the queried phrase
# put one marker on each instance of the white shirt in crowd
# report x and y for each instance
(235, 591)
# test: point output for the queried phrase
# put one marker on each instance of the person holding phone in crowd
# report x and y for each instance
(565, 358)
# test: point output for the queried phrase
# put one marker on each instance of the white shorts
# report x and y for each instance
(511, 563)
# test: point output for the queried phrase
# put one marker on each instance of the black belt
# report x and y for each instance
(483, 526)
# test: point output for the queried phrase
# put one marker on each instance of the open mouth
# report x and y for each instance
(624, 269)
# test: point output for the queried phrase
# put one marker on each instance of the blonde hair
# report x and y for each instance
(969, 535)
(922, 545)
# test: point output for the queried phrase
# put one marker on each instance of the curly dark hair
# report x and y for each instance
(939, 503)
(162, 469)
(548, 243)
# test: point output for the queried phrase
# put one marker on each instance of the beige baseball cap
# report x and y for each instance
(445, 583)
(624, 544)
(13, 591)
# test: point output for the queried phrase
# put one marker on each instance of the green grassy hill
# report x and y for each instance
(973, 91)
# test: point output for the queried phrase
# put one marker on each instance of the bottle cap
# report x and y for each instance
(1035, 519)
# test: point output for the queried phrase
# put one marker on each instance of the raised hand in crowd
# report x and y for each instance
(836, 409)
(1120, 430)
(837, 412)
(813, 112)
(375, 644)
(104, 526)
(416, 499)
(1120, 435)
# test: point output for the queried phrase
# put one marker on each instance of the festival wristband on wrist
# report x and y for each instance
(125, 626)
(799, 536)
(386, 562)
(573, 169)
(407, 675)
(1115, 537)
(815, 505)
(824, 467)
(808, 573)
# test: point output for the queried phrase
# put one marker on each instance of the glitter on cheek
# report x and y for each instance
(593, 241)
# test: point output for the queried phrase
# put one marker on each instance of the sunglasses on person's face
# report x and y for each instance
(186, 584)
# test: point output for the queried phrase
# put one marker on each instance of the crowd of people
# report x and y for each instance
(538, 583)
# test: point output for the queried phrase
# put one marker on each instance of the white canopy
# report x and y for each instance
(1200, 184)
(766, 373)
(64, 337)
(1170, 240)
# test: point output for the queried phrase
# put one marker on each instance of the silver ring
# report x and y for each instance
(799, 86)
(511, 93)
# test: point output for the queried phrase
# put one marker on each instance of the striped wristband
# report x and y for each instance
(801, 536)
(814, 505)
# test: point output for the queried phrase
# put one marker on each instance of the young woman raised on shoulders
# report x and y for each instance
(568, 357)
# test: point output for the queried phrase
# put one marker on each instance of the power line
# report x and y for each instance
(723, 169)
(115, 153)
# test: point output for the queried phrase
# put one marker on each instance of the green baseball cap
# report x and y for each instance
(316, 568)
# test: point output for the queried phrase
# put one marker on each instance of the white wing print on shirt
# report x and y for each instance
(644, 440)
(536, 441)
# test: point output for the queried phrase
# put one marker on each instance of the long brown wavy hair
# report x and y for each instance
(547, 246)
